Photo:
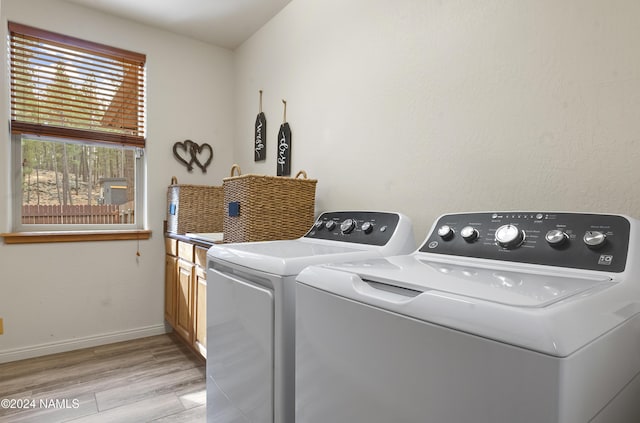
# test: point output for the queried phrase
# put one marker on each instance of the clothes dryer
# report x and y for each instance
(523, 317)
(251, 309)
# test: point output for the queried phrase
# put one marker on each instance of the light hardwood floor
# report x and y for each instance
(155, 379)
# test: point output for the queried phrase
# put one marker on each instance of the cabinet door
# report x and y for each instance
(200, 341)
(184, 300)
(170, 275)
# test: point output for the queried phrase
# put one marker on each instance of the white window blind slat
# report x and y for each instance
(62, 86)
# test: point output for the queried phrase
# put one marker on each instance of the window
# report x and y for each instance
(78, 136)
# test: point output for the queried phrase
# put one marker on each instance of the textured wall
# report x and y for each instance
(428, 106)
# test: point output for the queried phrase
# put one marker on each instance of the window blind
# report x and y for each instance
(66, 87)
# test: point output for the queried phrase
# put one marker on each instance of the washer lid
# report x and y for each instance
(552, 312)
(514, 288)
(288, 257)
(518, 288)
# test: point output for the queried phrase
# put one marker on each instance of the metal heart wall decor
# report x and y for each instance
(189, 153)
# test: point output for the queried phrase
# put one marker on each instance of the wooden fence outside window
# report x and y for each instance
(77, 215)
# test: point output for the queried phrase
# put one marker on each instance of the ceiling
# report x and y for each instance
(225, 23)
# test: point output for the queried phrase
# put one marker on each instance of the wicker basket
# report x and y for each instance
(194, 208)
(265, 208)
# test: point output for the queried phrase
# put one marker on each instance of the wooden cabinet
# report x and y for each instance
(184, 300)
(170, 275)
(200, 340)
(186, 292)
(170, 285)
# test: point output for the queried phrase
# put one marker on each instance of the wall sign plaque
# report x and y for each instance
(260, 135)
(284, 146)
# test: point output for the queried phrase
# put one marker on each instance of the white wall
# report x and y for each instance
(430, 106)
(60, 296)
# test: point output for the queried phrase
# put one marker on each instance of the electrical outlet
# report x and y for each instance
(1, 326)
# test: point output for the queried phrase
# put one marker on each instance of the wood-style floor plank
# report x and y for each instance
(136, 412)
(154, 379)
(196, 414)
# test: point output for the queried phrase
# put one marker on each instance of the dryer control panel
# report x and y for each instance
(574, 240)
(361, 227)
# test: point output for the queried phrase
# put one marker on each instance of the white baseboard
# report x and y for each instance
(79, 343)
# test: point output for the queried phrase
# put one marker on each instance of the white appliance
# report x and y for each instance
(497, 318)
(251, 309)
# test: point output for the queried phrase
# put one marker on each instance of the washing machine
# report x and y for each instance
(528, 317)
(251, 309)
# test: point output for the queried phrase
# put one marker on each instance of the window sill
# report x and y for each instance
(73, 236)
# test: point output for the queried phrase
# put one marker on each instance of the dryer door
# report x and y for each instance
(240, 333)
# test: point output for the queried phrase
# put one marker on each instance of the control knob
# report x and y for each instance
(594, 239)
(445, 232)
(367, 227)
(509, 236)
(469, 233)
(318, 225)
(330, 225)
(347, 226)
(556, 237)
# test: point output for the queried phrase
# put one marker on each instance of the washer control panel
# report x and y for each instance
(361, 227)
(575, 240)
